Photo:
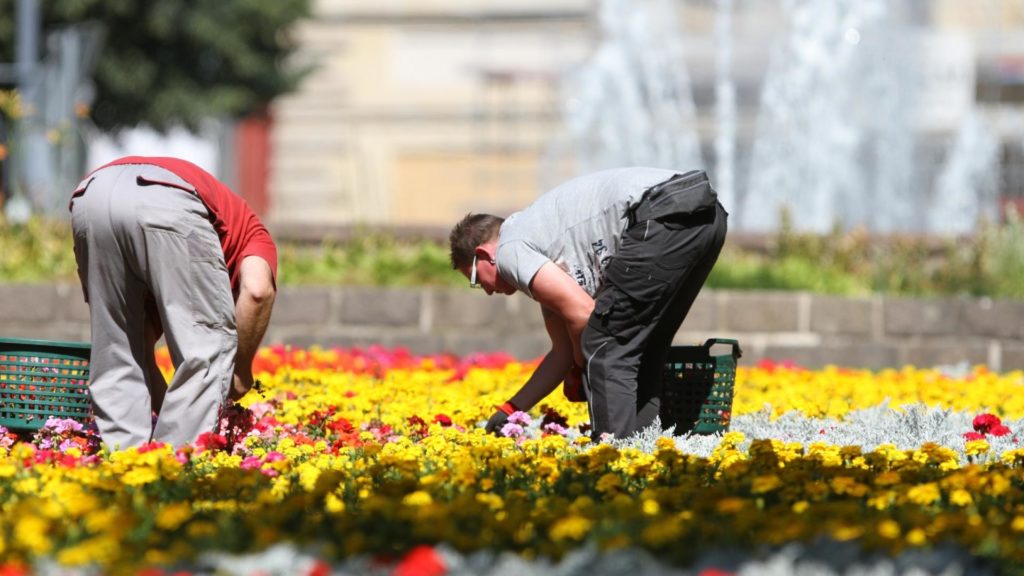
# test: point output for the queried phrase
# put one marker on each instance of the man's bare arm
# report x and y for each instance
(558, 292)
(252, 315)
(552, 369)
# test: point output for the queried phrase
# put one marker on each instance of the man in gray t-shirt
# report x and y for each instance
(615, 259)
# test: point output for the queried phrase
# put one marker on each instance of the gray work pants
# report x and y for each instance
(142, 235)
(648, 289)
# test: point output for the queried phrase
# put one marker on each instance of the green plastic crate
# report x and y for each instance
(697, 388)
(40, 379)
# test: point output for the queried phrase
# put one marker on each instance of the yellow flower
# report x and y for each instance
(1018, 524)
(961, 497)
(917, 537)
(765, 483)
(924, 494)
(7, 469)
(847, 531)
(172, 515)
(333, 504)
(608, 482)
(651, 507)
(30, 532)
(417, 498)
(570, 528)
(889, 529)
(140, 476)
(976, 447)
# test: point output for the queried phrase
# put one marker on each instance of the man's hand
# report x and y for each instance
(500, 418)
(572, 387)
(497, 422)
(241, 382)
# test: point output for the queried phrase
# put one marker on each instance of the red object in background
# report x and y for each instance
(421, 561)
(252, 160)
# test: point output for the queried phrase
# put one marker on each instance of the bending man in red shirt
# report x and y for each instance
(164, 248)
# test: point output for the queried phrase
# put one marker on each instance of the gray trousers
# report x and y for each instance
(144, 247)
(648, 289)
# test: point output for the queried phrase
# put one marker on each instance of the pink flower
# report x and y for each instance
(250, 463)
(521, 418)
(554, 428)
(512, 430)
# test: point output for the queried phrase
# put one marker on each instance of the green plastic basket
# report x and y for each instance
(40, 379)
(697, 387)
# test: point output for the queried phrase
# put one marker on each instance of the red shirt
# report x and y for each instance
(240, 231)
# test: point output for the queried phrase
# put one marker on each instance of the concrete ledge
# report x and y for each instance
(812, 330)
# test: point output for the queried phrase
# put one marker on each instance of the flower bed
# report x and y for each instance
(376, 453)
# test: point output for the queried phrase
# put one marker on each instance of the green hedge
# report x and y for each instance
(989, 263)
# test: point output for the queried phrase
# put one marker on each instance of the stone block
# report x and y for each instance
(466, 308)
(71, 303)
(527, 346)
(305, 305)
(835, 315)
(417, 343)
(993, 318)
(703, 315)
(926, 317)
(28, 302)
(761, 312)
(1012, 357)
(380, 306)
(871, 356)
(523, 314)
(462, 344)
(330, 340)
(929, 354)
(61, 331)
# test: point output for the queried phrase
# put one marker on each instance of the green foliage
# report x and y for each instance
(368, 260)
(1001, 259)
(36, 251)
(990, 263)
(179, 61)
(739, 270)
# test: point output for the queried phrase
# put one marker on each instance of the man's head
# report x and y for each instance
(474, 242)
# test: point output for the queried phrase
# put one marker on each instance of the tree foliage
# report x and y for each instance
(176, 62)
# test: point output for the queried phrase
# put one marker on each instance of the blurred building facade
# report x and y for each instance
(420, 111)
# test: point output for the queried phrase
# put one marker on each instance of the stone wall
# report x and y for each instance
(810, 329)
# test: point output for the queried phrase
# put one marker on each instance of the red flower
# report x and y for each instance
(418, 425)
(341, 426)
(443, 420)
(715, 572)
(150, 446)
(421, 561)
(210, 441)
(320, 568)
(999, 430)
(984, 422)
(968, 436)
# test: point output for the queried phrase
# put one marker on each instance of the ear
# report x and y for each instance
(485, 252)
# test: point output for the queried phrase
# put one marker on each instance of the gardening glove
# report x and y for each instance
(500, 418)
(572, 387)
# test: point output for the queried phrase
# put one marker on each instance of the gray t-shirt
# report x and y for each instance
(577, 225)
